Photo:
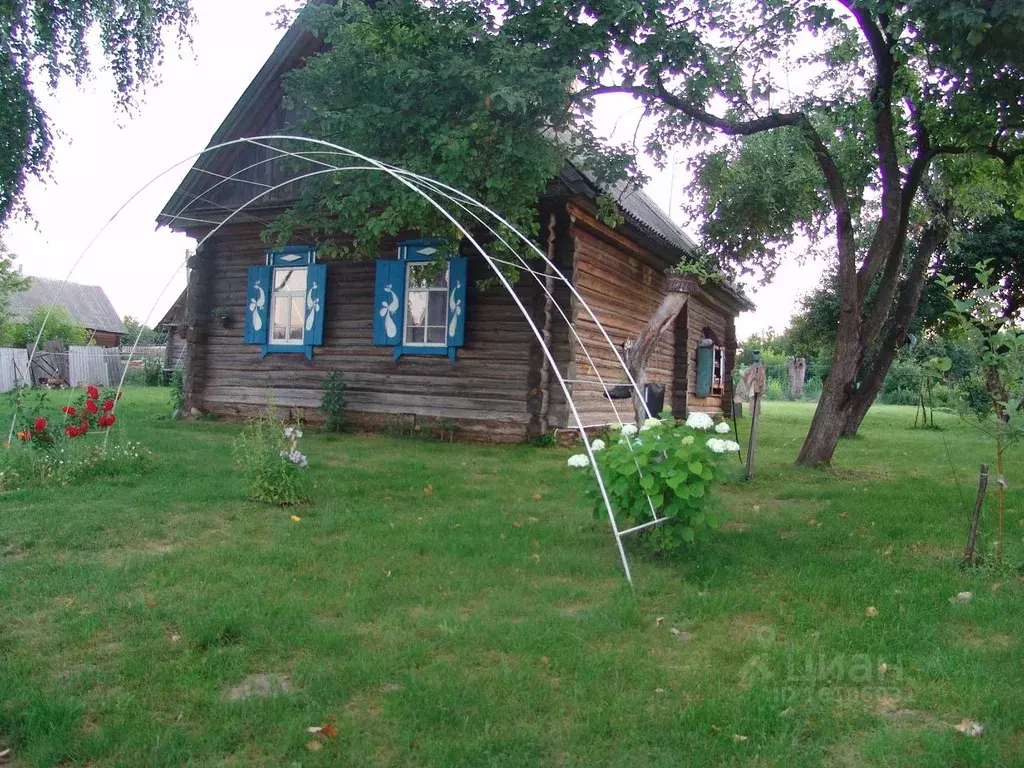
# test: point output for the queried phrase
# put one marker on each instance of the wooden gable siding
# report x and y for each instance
(623, 292)
(104, 338)
(488, 390)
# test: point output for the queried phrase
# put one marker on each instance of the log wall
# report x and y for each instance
(488, 390)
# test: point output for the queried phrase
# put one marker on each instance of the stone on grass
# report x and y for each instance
(258, 687)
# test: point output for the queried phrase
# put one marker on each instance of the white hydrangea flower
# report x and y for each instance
(650, 424)
(597, 445)
(688, 440)
(629, 429)
(699, 421)
(614, 427)
(732, 446)
(722, 428)
(716, 445)
(579, 461)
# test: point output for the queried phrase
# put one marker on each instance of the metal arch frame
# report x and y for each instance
(426, 187)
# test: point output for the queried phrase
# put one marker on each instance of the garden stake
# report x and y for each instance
(982, 485)
(755, 414)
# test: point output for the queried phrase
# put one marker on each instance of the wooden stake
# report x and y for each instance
(982, 485)
(755, 414)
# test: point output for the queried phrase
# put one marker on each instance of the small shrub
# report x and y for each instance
(333, 404)
(178, 390)
(149, 374)
(672, 465)
(448, 427)
(268, 453)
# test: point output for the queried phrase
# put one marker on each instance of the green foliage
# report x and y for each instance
(71, 463)
(178, 390)
(667, 464)
(437, 90)
(146, 336)
(59, 325)
(11, 281)
(150, 373)
(267, 453)
(332, 406)
(43, 43)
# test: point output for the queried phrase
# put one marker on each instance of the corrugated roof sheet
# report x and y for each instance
(88, 305)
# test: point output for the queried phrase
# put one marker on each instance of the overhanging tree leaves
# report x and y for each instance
(45, 41)
(899, 96)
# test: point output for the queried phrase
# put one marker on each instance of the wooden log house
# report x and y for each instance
(421, 351)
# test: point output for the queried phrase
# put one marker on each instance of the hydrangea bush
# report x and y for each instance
(268, 453)
(669, 464)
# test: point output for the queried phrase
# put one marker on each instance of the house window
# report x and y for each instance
(718, 380)
(420, 301)
(285, 302)
(288, 301)
(426, 304)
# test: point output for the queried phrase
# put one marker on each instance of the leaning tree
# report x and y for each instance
(863, 120)
(43, 42)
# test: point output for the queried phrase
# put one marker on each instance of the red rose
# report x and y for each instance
(93, 393)
(40, 424)
(71, 432)
(108, 405)
(68, 410)
(107, 421)
(84, 427)
(90, 406)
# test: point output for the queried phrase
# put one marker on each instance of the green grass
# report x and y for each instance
(458, 605)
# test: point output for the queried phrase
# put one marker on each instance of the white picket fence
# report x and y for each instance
(13, 369)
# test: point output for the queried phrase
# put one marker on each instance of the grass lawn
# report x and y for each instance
(458, 605)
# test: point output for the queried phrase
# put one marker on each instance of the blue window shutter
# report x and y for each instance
(457, 280)
(705, 370)
(316, 305)
(257, 305)
(388, 295)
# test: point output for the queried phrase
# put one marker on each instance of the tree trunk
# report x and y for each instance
(832, 412)
(639, 350)
(896, 331)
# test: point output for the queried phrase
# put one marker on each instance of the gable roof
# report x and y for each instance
(88, 305)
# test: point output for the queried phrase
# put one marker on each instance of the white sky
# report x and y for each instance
(105, 157)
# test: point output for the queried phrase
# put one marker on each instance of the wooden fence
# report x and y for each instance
(13, 369)
(94, 365)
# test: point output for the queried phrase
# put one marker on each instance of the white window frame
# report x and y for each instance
(275, 295)
(409, 288)
(718, 370)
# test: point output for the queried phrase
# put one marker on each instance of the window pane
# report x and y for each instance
(427, 276)
(295, 333)
(416, 308)
(437, 313)
(436, 336)
(279, 333)
(414, 334)
(298, 317)
(290, 279)
(280, 312)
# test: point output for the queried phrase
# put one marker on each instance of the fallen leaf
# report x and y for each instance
(516, 524)
(175, 639)
(969, 728)
(871, 612)
(537, 497)
(813, 522)
(329, 731)
(683, 637)
(787, 712)
(843, 515)
(883, 669)
(757, 508)
(738, 739)
(887, 553)
(962, 597)
(314, 746)
(428, 490)
(659, 620)
(544, 660)
(659, 690)
(387, 573)
(296, 519)
(532, 520)
(716, 729)
(536, 558)
(314, 729)
(995, 587)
